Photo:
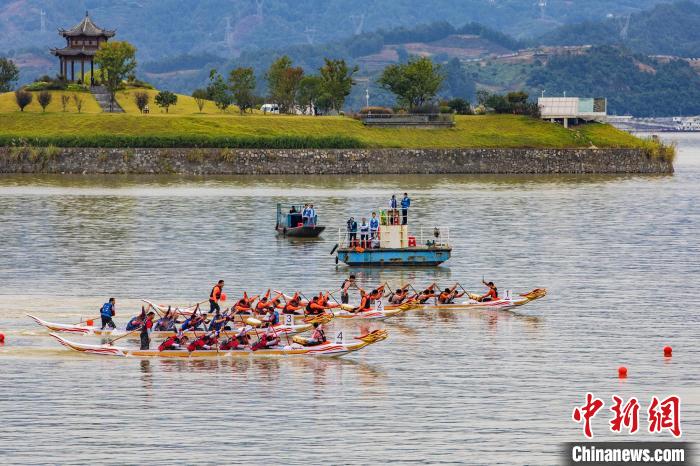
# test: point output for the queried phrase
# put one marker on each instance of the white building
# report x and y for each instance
(565, 109)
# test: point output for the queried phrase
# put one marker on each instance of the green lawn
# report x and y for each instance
(470, 131)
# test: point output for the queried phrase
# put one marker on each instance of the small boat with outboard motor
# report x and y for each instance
(298, 221)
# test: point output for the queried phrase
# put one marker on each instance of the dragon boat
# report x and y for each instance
(507, 302)
(380, 311)
(336, 348)
(287, 327)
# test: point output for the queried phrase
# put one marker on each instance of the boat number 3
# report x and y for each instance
(289, 319)
(339, 338)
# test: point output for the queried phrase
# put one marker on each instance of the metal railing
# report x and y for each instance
(426, 237)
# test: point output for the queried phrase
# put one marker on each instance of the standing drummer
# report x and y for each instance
(215, 296)
(108, 311)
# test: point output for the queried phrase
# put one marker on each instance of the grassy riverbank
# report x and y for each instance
(216, 130)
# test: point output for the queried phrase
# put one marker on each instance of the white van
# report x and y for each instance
(270, 108)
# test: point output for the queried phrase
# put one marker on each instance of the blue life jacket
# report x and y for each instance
(405, 203)
(275, 318)
(374, 224)
(392, 203)
(213, 325)
(134, 324)
(106, 310)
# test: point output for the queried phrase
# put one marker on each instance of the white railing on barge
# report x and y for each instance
(437, 236)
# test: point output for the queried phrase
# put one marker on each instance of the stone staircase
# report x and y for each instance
(102, 98)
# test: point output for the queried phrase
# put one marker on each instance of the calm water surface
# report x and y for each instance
(619, 255)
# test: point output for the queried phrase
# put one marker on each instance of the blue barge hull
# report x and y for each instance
(395, 256)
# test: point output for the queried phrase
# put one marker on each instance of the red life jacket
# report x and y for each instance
(168, 344)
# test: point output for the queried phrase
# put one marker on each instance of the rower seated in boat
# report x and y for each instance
(365, 302)
(175, 342)
(272, 317)
(376, 294)
(399, 296)
(314, 307)
(293, 307)
(268, 340)
(193, 322)
(136, 322)
(204, 342)
(217, 321)
(449, 295)
(426, 294)
(245, 304)
(165, 323)
(318, 337)
(490, 295)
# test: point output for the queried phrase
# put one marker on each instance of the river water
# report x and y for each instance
(618, 254)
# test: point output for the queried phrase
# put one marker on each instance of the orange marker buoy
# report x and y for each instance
(223, 297)
(2, 338)
(668, 351)
(89, 322)
(622, 372)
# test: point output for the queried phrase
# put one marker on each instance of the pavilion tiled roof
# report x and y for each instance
(86, 28)
(72, 51)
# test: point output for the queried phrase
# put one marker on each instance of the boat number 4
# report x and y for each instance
(339, 338)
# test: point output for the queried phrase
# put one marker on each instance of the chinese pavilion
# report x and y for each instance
(83, 40)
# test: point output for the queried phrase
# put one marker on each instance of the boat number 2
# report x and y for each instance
(339, 338)
(380, 305)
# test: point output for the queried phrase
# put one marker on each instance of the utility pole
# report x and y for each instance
(367, 96)
(43, 21)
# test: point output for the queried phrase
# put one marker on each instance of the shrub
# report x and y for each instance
(428, 108)
(37, 86)
(72, 87)
(200, 96)
(44, 99)
(460, 106)
(376, 111)
(78, 100)
(23, 98)
(141, 99)
(65, 100)
(445, 109)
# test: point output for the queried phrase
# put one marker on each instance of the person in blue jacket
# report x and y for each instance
(405, 204)
(107, 311)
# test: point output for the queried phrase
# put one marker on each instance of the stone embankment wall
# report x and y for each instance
(328, 161)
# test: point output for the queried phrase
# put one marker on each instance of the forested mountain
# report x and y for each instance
(667, 29)
(633, 83)
(161, 28)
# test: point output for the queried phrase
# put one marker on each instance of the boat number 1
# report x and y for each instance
(339, 338)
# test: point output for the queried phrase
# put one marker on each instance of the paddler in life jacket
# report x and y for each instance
(293, 307)
(165, 323)
(204, 342)
(365, 302)
(136, 322)
(245, 304)
(175, 342)
(448, 296)
(217, 321)
(490, 295)
(193, 322)
(272, 317)
(318, 337)
(314, 308)
(399, 296)
(268, 340)
(426, 294)
(215, 296)
(107, 311)
(376, 294)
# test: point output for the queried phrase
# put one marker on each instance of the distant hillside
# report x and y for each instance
(667, 29)
(634, 84)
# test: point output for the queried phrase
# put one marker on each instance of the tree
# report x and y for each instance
(413, 83)
(337, 81)
(243, 84)
(141, 100)
(23, 98)
(64, 102)
(116, 60)
(78, 101)
(457, 84)
(283, 82)
(218, 91)
(200, 97)
(9, 74)
(165, 99)
(460, 106)
(44, 99)
(310, 92)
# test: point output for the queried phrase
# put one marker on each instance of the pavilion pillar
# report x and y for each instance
(72, 70)
(92, 72)
(82, 71)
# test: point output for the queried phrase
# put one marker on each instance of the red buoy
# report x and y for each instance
(622, 372)
(2, 338)
(223, 296)
(668, 351)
